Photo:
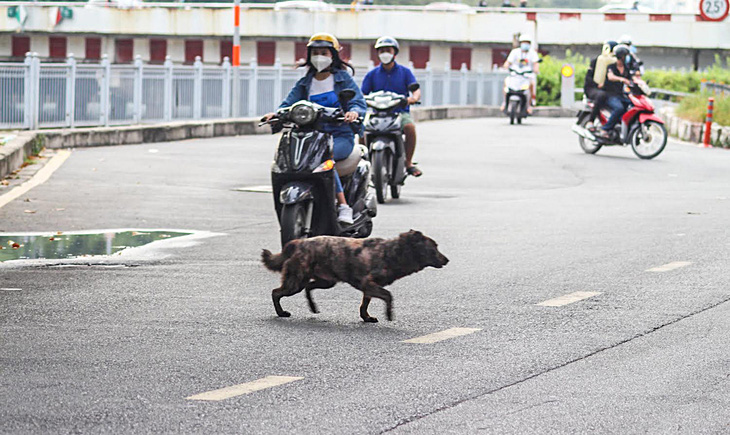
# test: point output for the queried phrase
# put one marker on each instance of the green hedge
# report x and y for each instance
(694, 108)
(548, 81)
(689, 81)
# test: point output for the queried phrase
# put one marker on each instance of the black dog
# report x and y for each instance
(366, 264)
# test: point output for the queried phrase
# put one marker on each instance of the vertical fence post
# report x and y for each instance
(70, 89)
(446, 99)
(104, 111)
(464, 79)
(226, 88)
(429, 84)
(496, 94)
(36, 96)
(252, 89)
(278, 71)
(137, 98)
(480, 85)
(198, 88)
(168, 89)
(708, 122)
(28, 88)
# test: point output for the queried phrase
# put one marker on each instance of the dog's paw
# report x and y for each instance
(370, 319)
(284, 314)
(313, 308)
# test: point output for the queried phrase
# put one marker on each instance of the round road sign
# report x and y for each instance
(567, 71)
(714, 10)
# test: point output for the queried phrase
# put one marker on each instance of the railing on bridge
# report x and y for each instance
(71, 94)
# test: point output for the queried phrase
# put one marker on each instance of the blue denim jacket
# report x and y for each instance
(343, 80)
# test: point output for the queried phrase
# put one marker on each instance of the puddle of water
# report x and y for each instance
(73, 245)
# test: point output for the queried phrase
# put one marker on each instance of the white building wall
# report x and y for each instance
(481, 57)
(141, 48)
(76, 45)
(6, 45)
(176, 49)
(211, 51)
(40, 45)
(285, 52)
(440, 56)
(248, 50)
(360, 56)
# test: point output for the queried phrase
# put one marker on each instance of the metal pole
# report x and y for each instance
(708, 122)
(236, 59)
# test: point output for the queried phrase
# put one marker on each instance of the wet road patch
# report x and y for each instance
(62, 246)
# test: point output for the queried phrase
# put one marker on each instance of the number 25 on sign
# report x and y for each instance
(714, 10)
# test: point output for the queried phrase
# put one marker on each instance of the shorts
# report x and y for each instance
(405, 119)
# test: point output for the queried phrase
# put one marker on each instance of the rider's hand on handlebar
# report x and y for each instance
(411, 100)
(351, 116)
(268, 117)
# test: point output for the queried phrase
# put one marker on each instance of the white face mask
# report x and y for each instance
(385, 57)
(321, 63)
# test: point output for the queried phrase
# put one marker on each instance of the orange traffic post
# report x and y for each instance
(708, 122)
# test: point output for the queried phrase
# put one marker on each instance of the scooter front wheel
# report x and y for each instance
(649, 140)
(381, 176)
(588, 146)
(293, 222)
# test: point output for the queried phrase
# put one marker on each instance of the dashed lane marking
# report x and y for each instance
(241, 389)
(39, 178)
(443, 335)
(670, 266)
(568, 299)
(7, 289)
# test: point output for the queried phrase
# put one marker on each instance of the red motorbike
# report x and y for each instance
(640, 127)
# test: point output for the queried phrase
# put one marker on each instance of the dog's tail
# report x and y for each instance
(273, 262)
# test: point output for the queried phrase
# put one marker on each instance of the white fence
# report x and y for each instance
(70, 94)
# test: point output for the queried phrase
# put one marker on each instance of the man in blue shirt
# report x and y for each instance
(390, 76)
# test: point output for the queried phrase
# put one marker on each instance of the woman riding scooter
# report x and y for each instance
(326, 77)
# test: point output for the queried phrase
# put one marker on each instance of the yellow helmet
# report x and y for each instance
(325, 40)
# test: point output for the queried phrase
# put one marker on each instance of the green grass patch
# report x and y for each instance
(694, 108)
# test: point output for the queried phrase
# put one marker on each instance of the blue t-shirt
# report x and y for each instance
(396, 80)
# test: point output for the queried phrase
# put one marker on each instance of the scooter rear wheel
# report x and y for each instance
(394, 187)
(589, 147)
(512, 110)
(293, 218)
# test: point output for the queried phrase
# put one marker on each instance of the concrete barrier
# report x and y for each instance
(690, 131)
(14, 153)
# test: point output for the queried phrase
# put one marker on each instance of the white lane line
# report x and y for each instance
(249, 387)
(39, 178)
(568, 299)
(5, 289)
(443, 335)
(255, 189)
(669, 266)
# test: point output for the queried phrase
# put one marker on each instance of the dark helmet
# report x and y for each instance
(611, 44)
(387, 41)
(621, 51)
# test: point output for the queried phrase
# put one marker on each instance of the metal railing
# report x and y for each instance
(71, 94)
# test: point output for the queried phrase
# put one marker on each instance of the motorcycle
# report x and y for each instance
(385, 141)
(640, 127)
(302, 174)
(517, 92)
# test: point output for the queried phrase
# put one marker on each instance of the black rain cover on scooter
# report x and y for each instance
(303, 150)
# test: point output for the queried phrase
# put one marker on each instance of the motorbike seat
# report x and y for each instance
(347, 166)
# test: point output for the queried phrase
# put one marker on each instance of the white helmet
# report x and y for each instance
(525, 38)
(625, 39)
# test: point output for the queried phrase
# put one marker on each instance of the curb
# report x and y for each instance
(14, 153)
(690, 131)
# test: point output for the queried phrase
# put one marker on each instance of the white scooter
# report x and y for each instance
(517, 92)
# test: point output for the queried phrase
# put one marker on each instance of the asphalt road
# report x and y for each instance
(524, 216)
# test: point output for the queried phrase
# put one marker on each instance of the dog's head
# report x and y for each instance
(425, 249)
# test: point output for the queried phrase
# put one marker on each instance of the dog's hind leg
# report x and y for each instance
(372, 290)
(292, 282)
(364, 311)
(316, 283)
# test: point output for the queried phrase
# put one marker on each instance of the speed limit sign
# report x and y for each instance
(714, 10)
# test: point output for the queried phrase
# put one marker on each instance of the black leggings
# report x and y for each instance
(599, 98)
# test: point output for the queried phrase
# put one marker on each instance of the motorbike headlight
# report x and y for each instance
(328, 165)
(303, 114)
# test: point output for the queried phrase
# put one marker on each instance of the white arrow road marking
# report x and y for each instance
(669, 266)
(241, 389)
(443, 335)
(568, 299)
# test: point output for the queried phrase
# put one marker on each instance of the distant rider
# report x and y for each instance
(326, 77)
(393, 77)
(523, 56)
(618, 76)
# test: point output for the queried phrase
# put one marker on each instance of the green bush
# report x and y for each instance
(689, 81)
(548, 81)
(694, 108)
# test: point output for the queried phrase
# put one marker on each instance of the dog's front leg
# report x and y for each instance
(317, 283)
(364, 311)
